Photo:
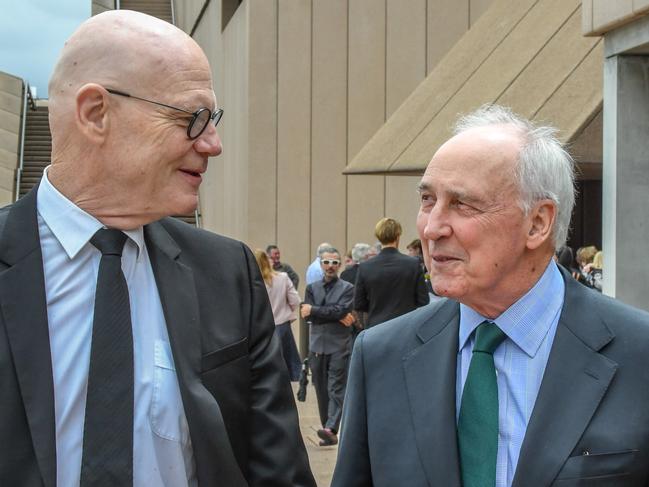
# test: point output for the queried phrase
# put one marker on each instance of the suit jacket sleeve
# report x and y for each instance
(335, 311)
(422, 297)
(277, 456)
(308, 295)
(361, 301)
(292, 275)
(353, 464)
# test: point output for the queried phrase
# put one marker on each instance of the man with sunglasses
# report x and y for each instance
(135, 350)
(327, 306)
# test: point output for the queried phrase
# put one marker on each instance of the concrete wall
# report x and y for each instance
(304, 84)
(99, 6)
(11, 105)
(601, 16)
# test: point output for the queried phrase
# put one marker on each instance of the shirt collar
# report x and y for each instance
(528, 320)
(72, 226)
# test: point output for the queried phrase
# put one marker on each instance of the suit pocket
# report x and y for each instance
(598, 466)
(224, 355)
(166, 413)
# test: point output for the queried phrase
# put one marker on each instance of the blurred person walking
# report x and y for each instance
(391, 284)
(594, 272)
(284, 301)
(584, 256)
(360, 253)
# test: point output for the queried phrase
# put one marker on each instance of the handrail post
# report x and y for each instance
(23, 124)
(173, 13)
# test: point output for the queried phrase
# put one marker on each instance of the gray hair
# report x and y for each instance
(544, 169)
(327, 250)
(322, 248)
(360, 251)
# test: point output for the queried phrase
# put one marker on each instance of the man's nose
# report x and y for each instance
(209, 142)
(437, 224)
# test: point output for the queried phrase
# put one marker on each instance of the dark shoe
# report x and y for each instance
(327, 437)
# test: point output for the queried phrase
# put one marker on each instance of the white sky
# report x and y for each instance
(32, 33)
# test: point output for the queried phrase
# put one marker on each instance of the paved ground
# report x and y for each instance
(322, 458)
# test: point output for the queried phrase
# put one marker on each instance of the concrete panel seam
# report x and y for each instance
(463, 84)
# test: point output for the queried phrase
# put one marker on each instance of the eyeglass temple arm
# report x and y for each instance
(122, 93)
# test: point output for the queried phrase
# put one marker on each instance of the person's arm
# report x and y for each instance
(353, 468)
(335, 311)
(361, 301)
(292, 297)
(422, 298)
(276, 452)
(292, 275)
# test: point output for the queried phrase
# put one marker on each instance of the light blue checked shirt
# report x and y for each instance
(530, 324)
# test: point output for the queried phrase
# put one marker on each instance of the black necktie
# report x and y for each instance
(108, 429)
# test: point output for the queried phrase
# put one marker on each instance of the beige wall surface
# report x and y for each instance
(11, 105)
(304, 85)
(186, 13)
(601, 16)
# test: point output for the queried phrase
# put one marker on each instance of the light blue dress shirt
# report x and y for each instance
(314, 272)
(530, 325)
(162, 451)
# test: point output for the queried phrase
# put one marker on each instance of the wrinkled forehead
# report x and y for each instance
(479, 157)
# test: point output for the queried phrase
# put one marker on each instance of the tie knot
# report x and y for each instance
(109, 241)
(487, 337)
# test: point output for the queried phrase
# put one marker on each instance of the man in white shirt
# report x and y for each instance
(133, 119)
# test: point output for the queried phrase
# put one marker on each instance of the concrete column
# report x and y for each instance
(625, 181)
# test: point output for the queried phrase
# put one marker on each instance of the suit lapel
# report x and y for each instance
(177, 291)
(575, 381)
(215, 461)
(318, 293)
(24, 310)
(430, 372)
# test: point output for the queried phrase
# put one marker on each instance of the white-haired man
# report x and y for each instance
(135, 350)
(521, 377)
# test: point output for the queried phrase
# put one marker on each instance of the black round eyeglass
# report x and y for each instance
(200, 118)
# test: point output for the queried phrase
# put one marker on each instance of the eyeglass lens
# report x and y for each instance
(200, 121)
(332, 262)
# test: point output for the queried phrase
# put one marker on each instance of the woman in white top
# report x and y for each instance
(284, 300)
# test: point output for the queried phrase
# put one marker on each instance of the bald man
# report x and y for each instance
(159, 367)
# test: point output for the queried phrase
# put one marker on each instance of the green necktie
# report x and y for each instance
(477, 428)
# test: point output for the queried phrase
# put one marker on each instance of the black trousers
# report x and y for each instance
(289, 350)
(329, 373)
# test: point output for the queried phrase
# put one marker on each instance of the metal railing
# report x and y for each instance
(173, 13)
(27, 100)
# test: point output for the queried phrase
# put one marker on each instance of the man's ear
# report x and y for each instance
(541, 222)
(92, 112)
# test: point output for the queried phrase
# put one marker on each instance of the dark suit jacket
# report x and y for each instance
(327, 334)
(589, 427)
(389, 285)
(233, 382)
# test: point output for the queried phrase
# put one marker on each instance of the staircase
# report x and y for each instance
(157, 8)
(38, 147)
